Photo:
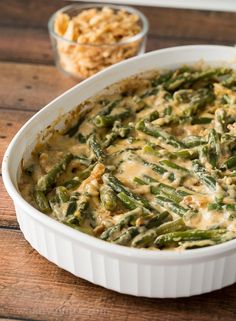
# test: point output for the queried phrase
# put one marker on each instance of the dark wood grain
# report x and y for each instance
(33, 284)
(168, 27)
(28, 13)
(7, 211)
(41, 53)
(29, 45)
(30, 87)
(31, 288)
(166, 22)
(10, 123)
(196, 25)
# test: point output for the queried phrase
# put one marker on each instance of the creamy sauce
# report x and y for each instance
(169, 143)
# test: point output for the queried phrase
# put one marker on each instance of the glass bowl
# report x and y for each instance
(82, 60)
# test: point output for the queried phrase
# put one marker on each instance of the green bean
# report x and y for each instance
(174, 194)
(193, 141)
(183, 153)
(109, 107)
(96, 148)
(228, 143)
(156, 168)
(170, 192)
(183, 95)
(85, 173)
(109, 139)
(72, 207)
(152, 116)
(189, 235)
(220, 121)
(187, 78)
(177, 81)
(73, 183)
(139, 181)
(41, 201)
(146, 238)
(230, 81)
(123, 151)
(172, 226)
(128, 201)
(127, 236)
(149, 179)
(201, 120)
(162, 79)
(141, 104)
(81, 138)
(117, 131)
(186, 153)
(77, 180)
(108, 198)
(229, 163)
(174, 166)
(150, 92)
(214, 149)
(126, 219)
(170, 205)
(168, 111)
(74, 129)
(83, 160)
(108, 120)
(226, 99)
(155, 131)
(221, 207)
(83, 229)
(82, 208)
(158, 219)
(118, 187)
(78, 207)
(199, 100)
(46, 182)
(205, 177)
(203, 153)
(62, 194)
(148, 149)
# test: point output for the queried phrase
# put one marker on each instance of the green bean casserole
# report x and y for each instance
(148, 163)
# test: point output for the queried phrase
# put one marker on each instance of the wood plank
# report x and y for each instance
(18, 319)
(10, 123)
(34, 85)
(192, 24)
(165, 31)
(25, 45)
(41, 291)
(187, 24)
(28, 13)
(10, 319)
(11, 48)
(155, 43)
(7, 210)
(216, 5)
(15, 319)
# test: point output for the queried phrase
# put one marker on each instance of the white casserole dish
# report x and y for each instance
(127, 270)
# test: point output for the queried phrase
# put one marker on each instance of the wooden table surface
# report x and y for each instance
(31, 288)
